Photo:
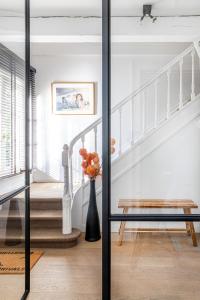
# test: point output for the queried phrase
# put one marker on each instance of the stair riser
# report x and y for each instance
(40, 204)
(34, 224)
(38, 244)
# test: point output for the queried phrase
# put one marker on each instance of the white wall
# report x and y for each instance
(54, 131)
(171, 171)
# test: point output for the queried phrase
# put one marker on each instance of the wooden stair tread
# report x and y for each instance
(43, 235)
(157, 203)
(34, 215)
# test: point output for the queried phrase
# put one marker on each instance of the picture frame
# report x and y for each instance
(73, 98)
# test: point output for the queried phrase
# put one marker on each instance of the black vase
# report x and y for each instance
(92, 223)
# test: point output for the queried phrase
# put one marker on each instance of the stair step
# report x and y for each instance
(41, 237)
(38, 218)
(40, 203)
(34, 214)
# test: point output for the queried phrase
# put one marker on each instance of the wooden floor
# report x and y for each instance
(150, 266)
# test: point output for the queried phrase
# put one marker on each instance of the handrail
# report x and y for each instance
(134, 94)
(7, 196)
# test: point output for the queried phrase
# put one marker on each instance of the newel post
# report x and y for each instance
(66, 200)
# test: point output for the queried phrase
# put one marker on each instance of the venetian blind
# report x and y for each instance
(12, 113)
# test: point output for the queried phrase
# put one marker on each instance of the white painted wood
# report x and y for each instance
(95, 138)
(193, 82)
(66, 200)
(143, 112)
(156, 104)
(168, 93)
(181, 83)
(120, 131)
(132, 121)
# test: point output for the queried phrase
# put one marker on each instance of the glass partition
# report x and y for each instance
(155, 146)
(12, 248)
(12, 151)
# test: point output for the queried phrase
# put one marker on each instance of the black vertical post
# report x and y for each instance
(27, 146)
(106, 93)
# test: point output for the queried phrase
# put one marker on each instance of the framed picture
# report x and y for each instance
(73, 98)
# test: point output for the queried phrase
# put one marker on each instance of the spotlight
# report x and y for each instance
(147, 12)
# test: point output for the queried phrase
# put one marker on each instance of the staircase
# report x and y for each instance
(156, 111)
(46, 218)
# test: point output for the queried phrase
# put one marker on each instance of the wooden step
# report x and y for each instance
(40, 203)
(45, 218)
(42, 238)
(38, 218)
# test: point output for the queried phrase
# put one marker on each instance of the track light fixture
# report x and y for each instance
(147, 12)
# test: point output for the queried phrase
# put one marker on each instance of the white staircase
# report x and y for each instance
(154, 112)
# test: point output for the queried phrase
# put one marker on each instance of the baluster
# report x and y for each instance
(193, 82)
(120, 131)
(156, 104)
(168, 94)
(95, 138)
(181, 84)
(71, 171)
(132, 121)
(82, 182)
(66, 200)
(143, 113)
(83, 146)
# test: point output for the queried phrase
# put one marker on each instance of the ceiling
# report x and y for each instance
(93, 7)
(117, 49)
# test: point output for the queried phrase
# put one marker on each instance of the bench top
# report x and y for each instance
(156, 203)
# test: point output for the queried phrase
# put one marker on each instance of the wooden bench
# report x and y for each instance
(184, 204)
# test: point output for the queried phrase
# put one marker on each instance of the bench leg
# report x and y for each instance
(187, 223)
(122, 228)
(192, 230)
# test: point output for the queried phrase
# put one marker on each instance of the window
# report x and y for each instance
(12, 113)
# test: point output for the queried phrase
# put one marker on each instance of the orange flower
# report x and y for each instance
(89, 158)
(96, 159)
(84, 164)
(83, 152)
(91, 171)
(90, 163)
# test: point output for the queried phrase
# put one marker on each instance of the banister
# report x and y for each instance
(135, 93)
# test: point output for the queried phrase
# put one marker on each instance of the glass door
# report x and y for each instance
(14, 150)
(150, 151)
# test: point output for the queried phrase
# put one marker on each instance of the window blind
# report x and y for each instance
(12, 113)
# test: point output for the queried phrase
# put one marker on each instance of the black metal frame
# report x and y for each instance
(27, 149)
(107, 217)
(26, 188)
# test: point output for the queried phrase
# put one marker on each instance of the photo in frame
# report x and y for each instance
(73, 98)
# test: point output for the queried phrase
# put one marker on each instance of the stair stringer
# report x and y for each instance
(135, 154)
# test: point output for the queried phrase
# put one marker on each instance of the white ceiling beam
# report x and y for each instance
(96, 39)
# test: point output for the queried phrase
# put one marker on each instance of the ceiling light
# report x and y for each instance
(147, 12)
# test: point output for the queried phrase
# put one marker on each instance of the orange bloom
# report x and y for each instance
(89, 158)
(90, 163)
(84, 164)
(83, 152)
(91, 171)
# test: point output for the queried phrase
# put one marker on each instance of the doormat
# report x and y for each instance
(13, 261)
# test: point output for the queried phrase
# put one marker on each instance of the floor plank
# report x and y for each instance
(148, 267)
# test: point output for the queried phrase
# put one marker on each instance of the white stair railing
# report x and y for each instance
(74, 177)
